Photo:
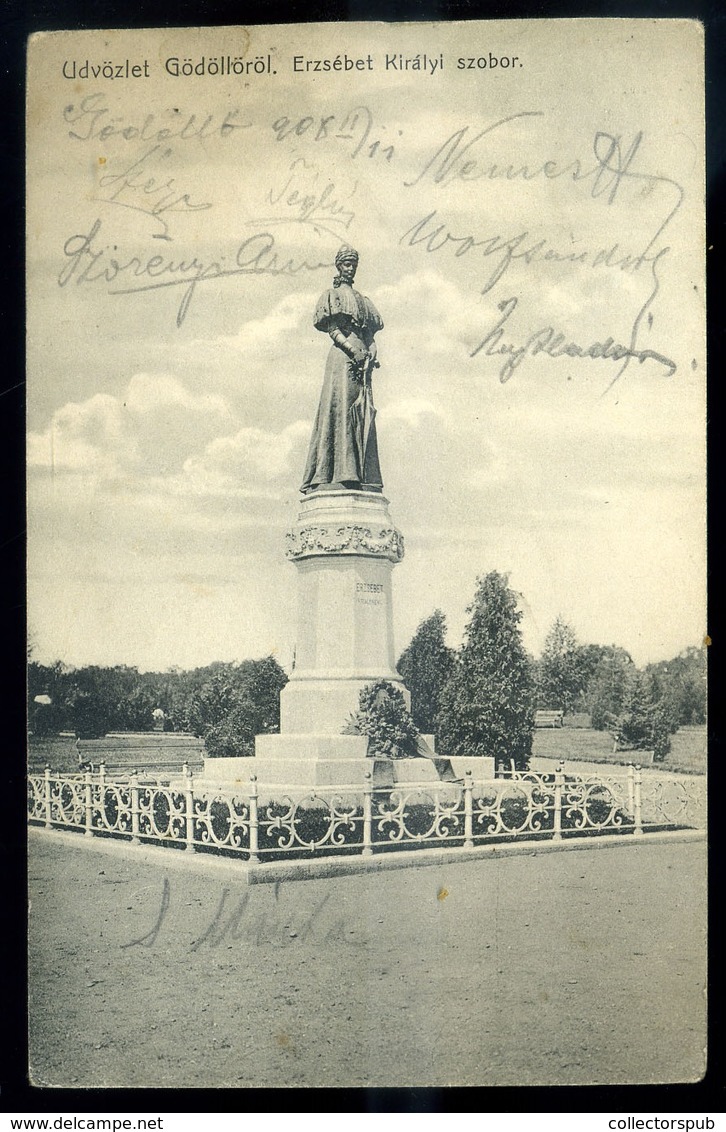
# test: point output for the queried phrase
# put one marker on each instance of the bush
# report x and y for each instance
(90, 717)
(233, 736)
(45, 720)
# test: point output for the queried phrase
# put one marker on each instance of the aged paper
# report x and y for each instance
(527, 200)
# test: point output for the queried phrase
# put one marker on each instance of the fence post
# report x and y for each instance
(367, 815)
(134, 808)
(189, 808)
(637, 803)
(102, 793)
(254, 822)
(468, 833)
(48, 805)
(557, 802)
(89, 804)
(631, 790)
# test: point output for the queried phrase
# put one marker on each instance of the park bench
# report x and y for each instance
(153, 753)
(548, 718)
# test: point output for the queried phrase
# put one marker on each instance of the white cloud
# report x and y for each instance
(412, 411)
(148, 392)
(81, 436)
(251, 456)
(273, 330)
(144, 428)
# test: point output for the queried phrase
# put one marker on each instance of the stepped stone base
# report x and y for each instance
(482, 769)
(318, 760)
(311, 760)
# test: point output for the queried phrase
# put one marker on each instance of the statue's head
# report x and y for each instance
(346, 262)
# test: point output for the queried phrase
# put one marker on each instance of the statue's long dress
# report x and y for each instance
(343, 447)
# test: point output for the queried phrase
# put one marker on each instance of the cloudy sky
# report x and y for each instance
(180, 231)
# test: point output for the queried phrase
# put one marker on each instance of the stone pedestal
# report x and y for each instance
(482, 769)
(344, 547)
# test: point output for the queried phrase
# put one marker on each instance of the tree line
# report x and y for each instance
(226, 704)
(482, 699)
(478, 700)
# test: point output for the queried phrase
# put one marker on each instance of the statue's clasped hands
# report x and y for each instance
(357, 353)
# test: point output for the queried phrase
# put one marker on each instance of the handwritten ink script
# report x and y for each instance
(89, 261)
(612, 170)
(140, 186)
(246, 919)
(357, 127)
(569, 226)
(307, 196)
(93, 119)
(149, 938)
(555, 344)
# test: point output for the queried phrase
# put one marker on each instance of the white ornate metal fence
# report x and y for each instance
(255, 825)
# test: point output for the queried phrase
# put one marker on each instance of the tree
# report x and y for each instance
(262, 681)
(660, 733)
(588, 659)
(241, 701)
(44, 720)
(425, 667)
(608, 687)
(88, 714)
(133, 709)
(236, 703)
(560, 673)
(234, 735)
(643, 724)
(209, 705)
(48, 681)
(681, 686)
(662, 693)
(487, 706)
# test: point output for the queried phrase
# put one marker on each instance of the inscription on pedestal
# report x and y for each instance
(368, 588)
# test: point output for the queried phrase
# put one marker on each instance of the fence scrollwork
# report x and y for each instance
(312, 822)
(419, 814)
(222, 820)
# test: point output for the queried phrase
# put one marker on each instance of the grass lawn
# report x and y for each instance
(687, 754)
(57, 751)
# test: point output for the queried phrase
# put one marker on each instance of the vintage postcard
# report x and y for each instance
(485, 243)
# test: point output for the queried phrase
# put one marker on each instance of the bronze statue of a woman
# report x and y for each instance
(343, 449)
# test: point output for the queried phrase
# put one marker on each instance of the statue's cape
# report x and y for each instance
(346, 301)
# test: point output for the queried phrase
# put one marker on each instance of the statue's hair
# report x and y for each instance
(345, 251)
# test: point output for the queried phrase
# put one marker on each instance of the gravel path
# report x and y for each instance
(544, 969)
